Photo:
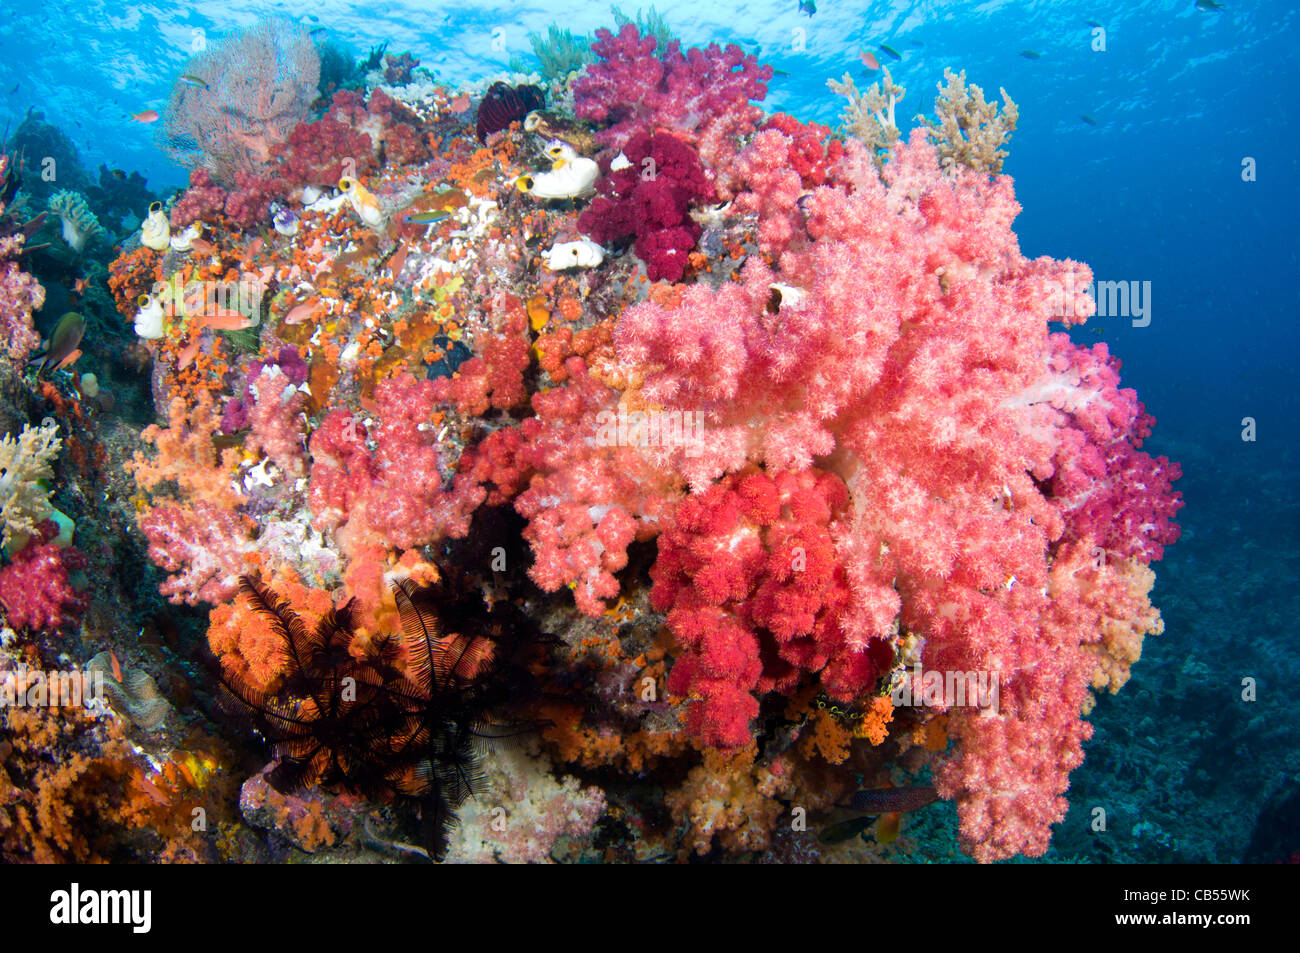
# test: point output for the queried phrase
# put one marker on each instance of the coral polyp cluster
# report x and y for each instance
(732, 465)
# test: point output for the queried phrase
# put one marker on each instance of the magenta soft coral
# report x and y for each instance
(1109, 490)
(248, 204)
(35, 588)
(650, 199)
(631, 89)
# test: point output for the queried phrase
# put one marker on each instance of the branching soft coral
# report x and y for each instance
(35, 589)
(394, 494)
(902, 341)
(650, 199)
(187, 456)
(631, 88)
(20, 295)
(747, 572)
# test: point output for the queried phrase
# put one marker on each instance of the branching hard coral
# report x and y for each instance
(24, 463)
(257, 85)
(870, 116)
(970, 132)
(80, 226)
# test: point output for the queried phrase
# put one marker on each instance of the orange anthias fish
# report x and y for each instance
(148, 116)
(460, 104)
(869, 60)
(221, 319)
(300, 314)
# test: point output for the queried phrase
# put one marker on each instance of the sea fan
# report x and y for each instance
(404, 719)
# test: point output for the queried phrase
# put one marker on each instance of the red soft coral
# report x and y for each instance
(35, 589)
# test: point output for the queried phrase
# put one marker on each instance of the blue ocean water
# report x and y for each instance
(1154, 185)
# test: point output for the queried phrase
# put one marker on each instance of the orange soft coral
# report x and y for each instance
(243, 640)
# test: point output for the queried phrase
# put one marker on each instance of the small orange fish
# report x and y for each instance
(69, 360)
(146, 117)
(79, 285)
(460, 104)
(221, 319)
(869, 60)
(302, 313)
(188, 353)
(117, 666)
(888, 827)
(399, 258)
(202, 247)
(254, 247)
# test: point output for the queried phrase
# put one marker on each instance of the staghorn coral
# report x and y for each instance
(24, 463)
(80, 226)
(970, 132)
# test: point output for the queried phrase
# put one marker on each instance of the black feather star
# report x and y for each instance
(411, 732)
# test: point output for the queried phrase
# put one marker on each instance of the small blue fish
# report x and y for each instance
(424, 218)
(808, 7)
(891, 51)
(1031, 54)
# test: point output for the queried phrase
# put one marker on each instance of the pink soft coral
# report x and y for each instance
(392, 495)
(902, 340)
